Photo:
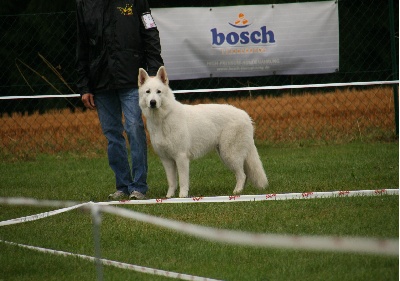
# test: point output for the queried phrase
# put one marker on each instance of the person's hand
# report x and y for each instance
(88, 101)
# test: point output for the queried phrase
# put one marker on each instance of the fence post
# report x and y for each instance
(394, 65)
(96, 221)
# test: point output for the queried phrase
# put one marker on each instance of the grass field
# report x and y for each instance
(291, 168)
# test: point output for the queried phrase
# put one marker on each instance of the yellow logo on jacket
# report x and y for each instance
(127, 11)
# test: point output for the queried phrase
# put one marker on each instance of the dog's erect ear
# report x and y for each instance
(162, 75)
(143, 76)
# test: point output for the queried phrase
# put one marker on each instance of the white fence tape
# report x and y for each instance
(122, 265)
(263, 197)
(36, 202)
(40, 216)
(216, 199)
(284, 87)
(322, 243)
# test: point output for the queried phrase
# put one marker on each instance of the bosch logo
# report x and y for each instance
(259, 36)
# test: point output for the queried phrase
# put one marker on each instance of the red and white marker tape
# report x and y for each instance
(263, 197)
(218, 199)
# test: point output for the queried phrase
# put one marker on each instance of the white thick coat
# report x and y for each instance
(180, 133)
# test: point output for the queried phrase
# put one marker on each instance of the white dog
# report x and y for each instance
(180, 133)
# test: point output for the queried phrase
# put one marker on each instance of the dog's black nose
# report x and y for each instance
(153, 103)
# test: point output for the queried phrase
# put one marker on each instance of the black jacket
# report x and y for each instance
(113, 43)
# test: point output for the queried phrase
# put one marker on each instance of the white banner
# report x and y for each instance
(251, 40)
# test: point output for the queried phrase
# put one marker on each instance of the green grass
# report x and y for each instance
(290, 168)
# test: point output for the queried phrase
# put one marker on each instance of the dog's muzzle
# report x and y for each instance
(153, 103)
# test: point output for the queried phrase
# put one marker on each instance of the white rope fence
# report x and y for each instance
(263, 197)
(38, 216)
(324, 243)
(361, 245)
(320, 243)
(118, 264)
(70, 205)
(284, 87)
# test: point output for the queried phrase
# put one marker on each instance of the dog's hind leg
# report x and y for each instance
(235, 163)
(171, 172)
(232, 149)
(240, 181)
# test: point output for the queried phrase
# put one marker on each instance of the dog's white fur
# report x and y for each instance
(180, 133)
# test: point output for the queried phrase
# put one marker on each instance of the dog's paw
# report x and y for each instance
(237, 191)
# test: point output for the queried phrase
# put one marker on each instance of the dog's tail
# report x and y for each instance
(254, 169)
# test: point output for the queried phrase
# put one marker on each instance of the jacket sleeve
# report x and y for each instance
(82, 52)
(151, 41)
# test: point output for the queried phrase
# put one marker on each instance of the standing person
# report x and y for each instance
(114, 39)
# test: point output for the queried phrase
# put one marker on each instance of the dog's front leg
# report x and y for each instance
(182, 163)
(170, 170)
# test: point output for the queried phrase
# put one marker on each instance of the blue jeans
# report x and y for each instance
(110, 107)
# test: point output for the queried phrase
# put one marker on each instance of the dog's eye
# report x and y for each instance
(158, 92)
(147, 91)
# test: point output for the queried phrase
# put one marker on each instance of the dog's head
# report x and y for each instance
(153, 91)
